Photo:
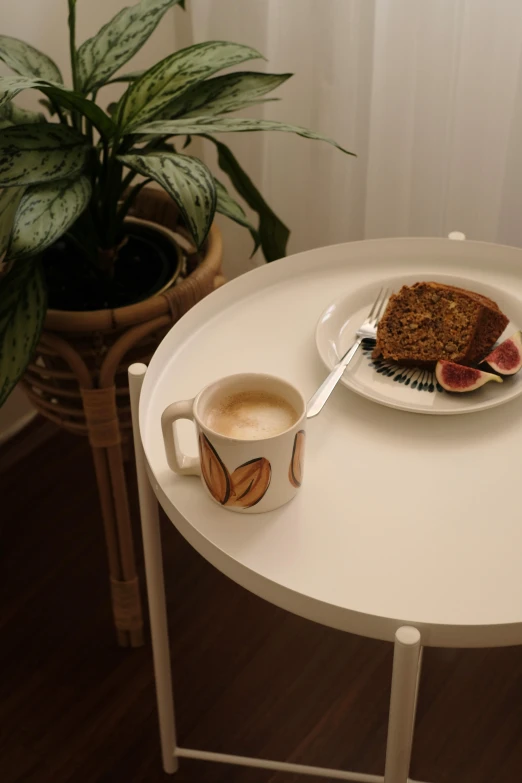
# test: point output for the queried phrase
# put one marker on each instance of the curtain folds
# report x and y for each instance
(428, 94)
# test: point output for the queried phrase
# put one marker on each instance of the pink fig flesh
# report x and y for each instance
(506, 358)
(457, 378)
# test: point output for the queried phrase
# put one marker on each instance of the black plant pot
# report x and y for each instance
(148, 262)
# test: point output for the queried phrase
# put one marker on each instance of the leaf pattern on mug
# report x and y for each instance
(244, 488)
(250, 482)
(214, 472)
(295, 473)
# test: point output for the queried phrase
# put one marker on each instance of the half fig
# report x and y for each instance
(506, 358)
(457, 378)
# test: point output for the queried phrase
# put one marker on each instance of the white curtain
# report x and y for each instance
(428, 93)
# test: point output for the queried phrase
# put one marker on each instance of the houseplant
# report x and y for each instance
(70, 180)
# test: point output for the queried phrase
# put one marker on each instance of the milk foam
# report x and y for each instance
(251, 415)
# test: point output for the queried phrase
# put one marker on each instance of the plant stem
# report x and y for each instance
(74, 57)
(110, 191)
(127, 145)
(127, 204)
(88, 124)
(104, 193)
(127, 181)
(80, 246)
(157, 142)
(59, 112)
(105, 163)
(72, 42)
(115, 170)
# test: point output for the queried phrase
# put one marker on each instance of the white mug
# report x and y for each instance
(247, 476)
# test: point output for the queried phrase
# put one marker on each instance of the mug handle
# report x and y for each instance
(180, 463)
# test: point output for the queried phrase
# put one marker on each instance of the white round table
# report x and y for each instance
(407, 526)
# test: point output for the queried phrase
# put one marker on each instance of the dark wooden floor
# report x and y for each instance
(248, 677)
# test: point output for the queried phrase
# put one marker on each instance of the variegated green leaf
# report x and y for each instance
(227, 206)
(32, 154)
(22, 312)
(45, 213)
(224, 94)
(187, 180)
(203, 125)
(10, 114)
(126, 77)
(72, 101)
(9, 201)
(28, 61)
(10, 86)
(174, 75)
(272, 231)
(117, 41)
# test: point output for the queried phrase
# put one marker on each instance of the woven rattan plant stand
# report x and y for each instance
(78, 379)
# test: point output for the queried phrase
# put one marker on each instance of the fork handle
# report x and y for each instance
(317, 401)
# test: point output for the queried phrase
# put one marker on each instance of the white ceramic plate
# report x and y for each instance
(410, 390)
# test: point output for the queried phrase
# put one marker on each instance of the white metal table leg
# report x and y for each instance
(417, 685)
(405, 677)
(155, 583)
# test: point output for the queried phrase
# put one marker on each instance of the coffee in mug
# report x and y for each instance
(250, 415)
(251, 439)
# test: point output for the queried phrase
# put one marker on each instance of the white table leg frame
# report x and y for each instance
(155, 582)
(406, 659)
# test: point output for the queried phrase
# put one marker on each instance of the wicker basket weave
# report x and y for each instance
(78, 379)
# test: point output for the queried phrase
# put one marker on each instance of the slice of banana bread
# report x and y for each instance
(426, 322)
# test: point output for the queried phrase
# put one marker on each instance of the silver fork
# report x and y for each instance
(367, 331)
